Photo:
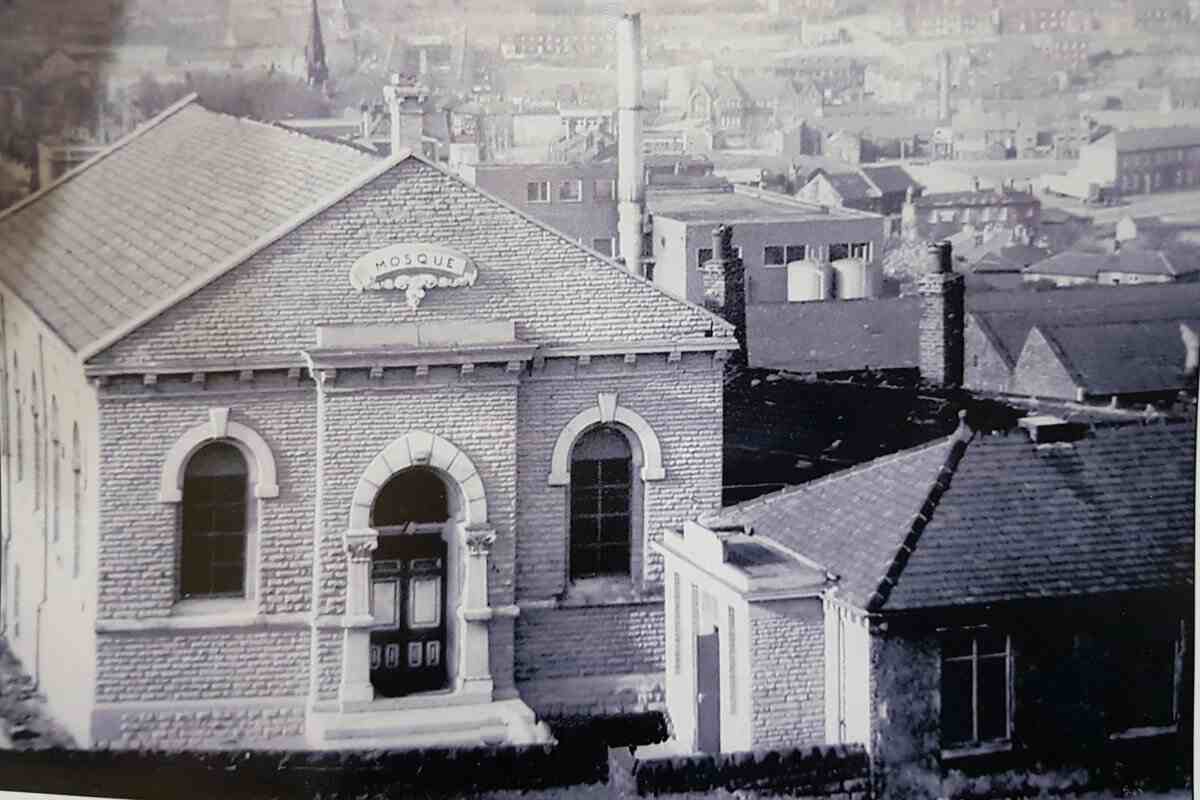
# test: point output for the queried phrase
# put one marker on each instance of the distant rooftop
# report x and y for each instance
(1154, 138)
(982, 198)
(740, 207)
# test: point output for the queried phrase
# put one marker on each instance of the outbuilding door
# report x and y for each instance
(708, 693)
(408, 601)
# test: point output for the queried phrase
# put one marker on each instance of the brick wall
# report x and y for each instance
(303, 279)
(1040, 372)
(194, 665)
(682, 403)
(986, 369)
(138, 538)
(526, 272)
(787, 640)
(940, 336)
(47, 514)
(210, 728)
(596, 640)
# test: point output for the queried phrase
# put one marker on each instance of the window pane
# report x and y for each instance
(599, 444)
(424, 602)
(583, 562)
(584, 530)
(957, 644)
(993, 698)
(795, 252)
(384, 607)
(615, 529)
(956, 702)
(568, 190)
(991, 642)
(585, 473)
(229, 519)
(226, 579)
(772, 255)
(615, 561)
(227, 548)
(1144, 686)
(585, 501)
(705, 254)
(615, 471)
(615, 501)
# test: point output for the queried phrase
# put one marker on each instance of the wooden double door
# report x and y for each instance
(408, 601)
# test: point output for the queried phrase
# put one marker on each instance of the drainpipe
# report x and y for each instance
(313, 373)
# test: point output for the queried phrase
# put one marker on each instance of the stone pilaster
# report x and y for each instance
(356, 644)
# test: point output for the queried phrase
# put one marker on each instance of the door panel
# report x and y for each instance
(708, 693)
(408, 601)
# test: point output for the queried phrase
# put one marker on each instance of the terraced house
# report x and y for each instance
(262, 398)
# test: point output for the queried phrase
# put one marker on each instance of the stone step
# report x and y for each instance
(449, 726)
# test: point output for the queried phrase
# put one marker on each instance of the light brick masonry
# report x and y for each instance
(241, 350)
(788, 692)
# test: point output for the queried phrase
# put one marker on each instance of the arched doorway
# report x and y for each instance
(411, 513)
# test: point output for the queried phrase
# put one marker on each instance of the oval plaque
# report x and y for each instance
(412, 267)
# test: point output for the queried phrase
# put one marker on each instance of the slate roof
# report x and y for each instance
(834, 335)
(1006, 519)
(1009, 316)
(1156, 138)
(850, 186)
(1123, 357)
(1089, 265)
(890, 179)
(850, 335)
(162, 207)
(1012, 258)
(971, 198)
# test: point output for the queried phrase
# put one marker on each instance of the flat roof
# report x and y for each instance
(735, 207)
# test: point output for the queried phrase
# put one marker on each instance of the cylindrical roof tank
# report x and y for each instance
(852, 278)
(808, 281)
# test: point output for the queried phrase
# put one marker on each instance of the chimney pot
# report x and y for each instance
(941, 258)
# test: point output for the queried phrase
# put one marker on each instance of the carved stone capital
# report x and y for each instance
(479, 540)
(360, 543)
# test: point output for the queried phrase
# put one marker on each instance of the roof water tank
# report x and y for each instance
(808, 281)
(854, 279)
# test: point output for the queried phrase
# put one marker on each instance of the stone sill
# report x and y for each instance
(595, 593)
(200, 621)
(1145, 732)
(591, 592)
(981, 749)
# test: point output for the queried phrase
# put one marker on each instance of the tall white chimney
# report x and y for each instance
(630, 192)
(391, 96)
(943, 75)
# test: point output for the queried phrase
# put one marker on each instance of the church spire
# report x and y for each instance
(314, 51)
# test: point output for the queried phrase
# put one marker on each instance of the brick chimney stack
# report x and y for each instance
(724, 283)
(941, 329)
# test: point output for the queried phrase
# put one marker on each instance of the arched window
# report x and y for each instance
(601, 503)
(20, 422)
(76, 498)
(37, 445)
(55, 470)
(216, 493)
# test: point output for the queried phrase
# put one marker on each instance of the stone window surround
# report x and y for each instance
(470, 540)
(263, 486)
(608, 410)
